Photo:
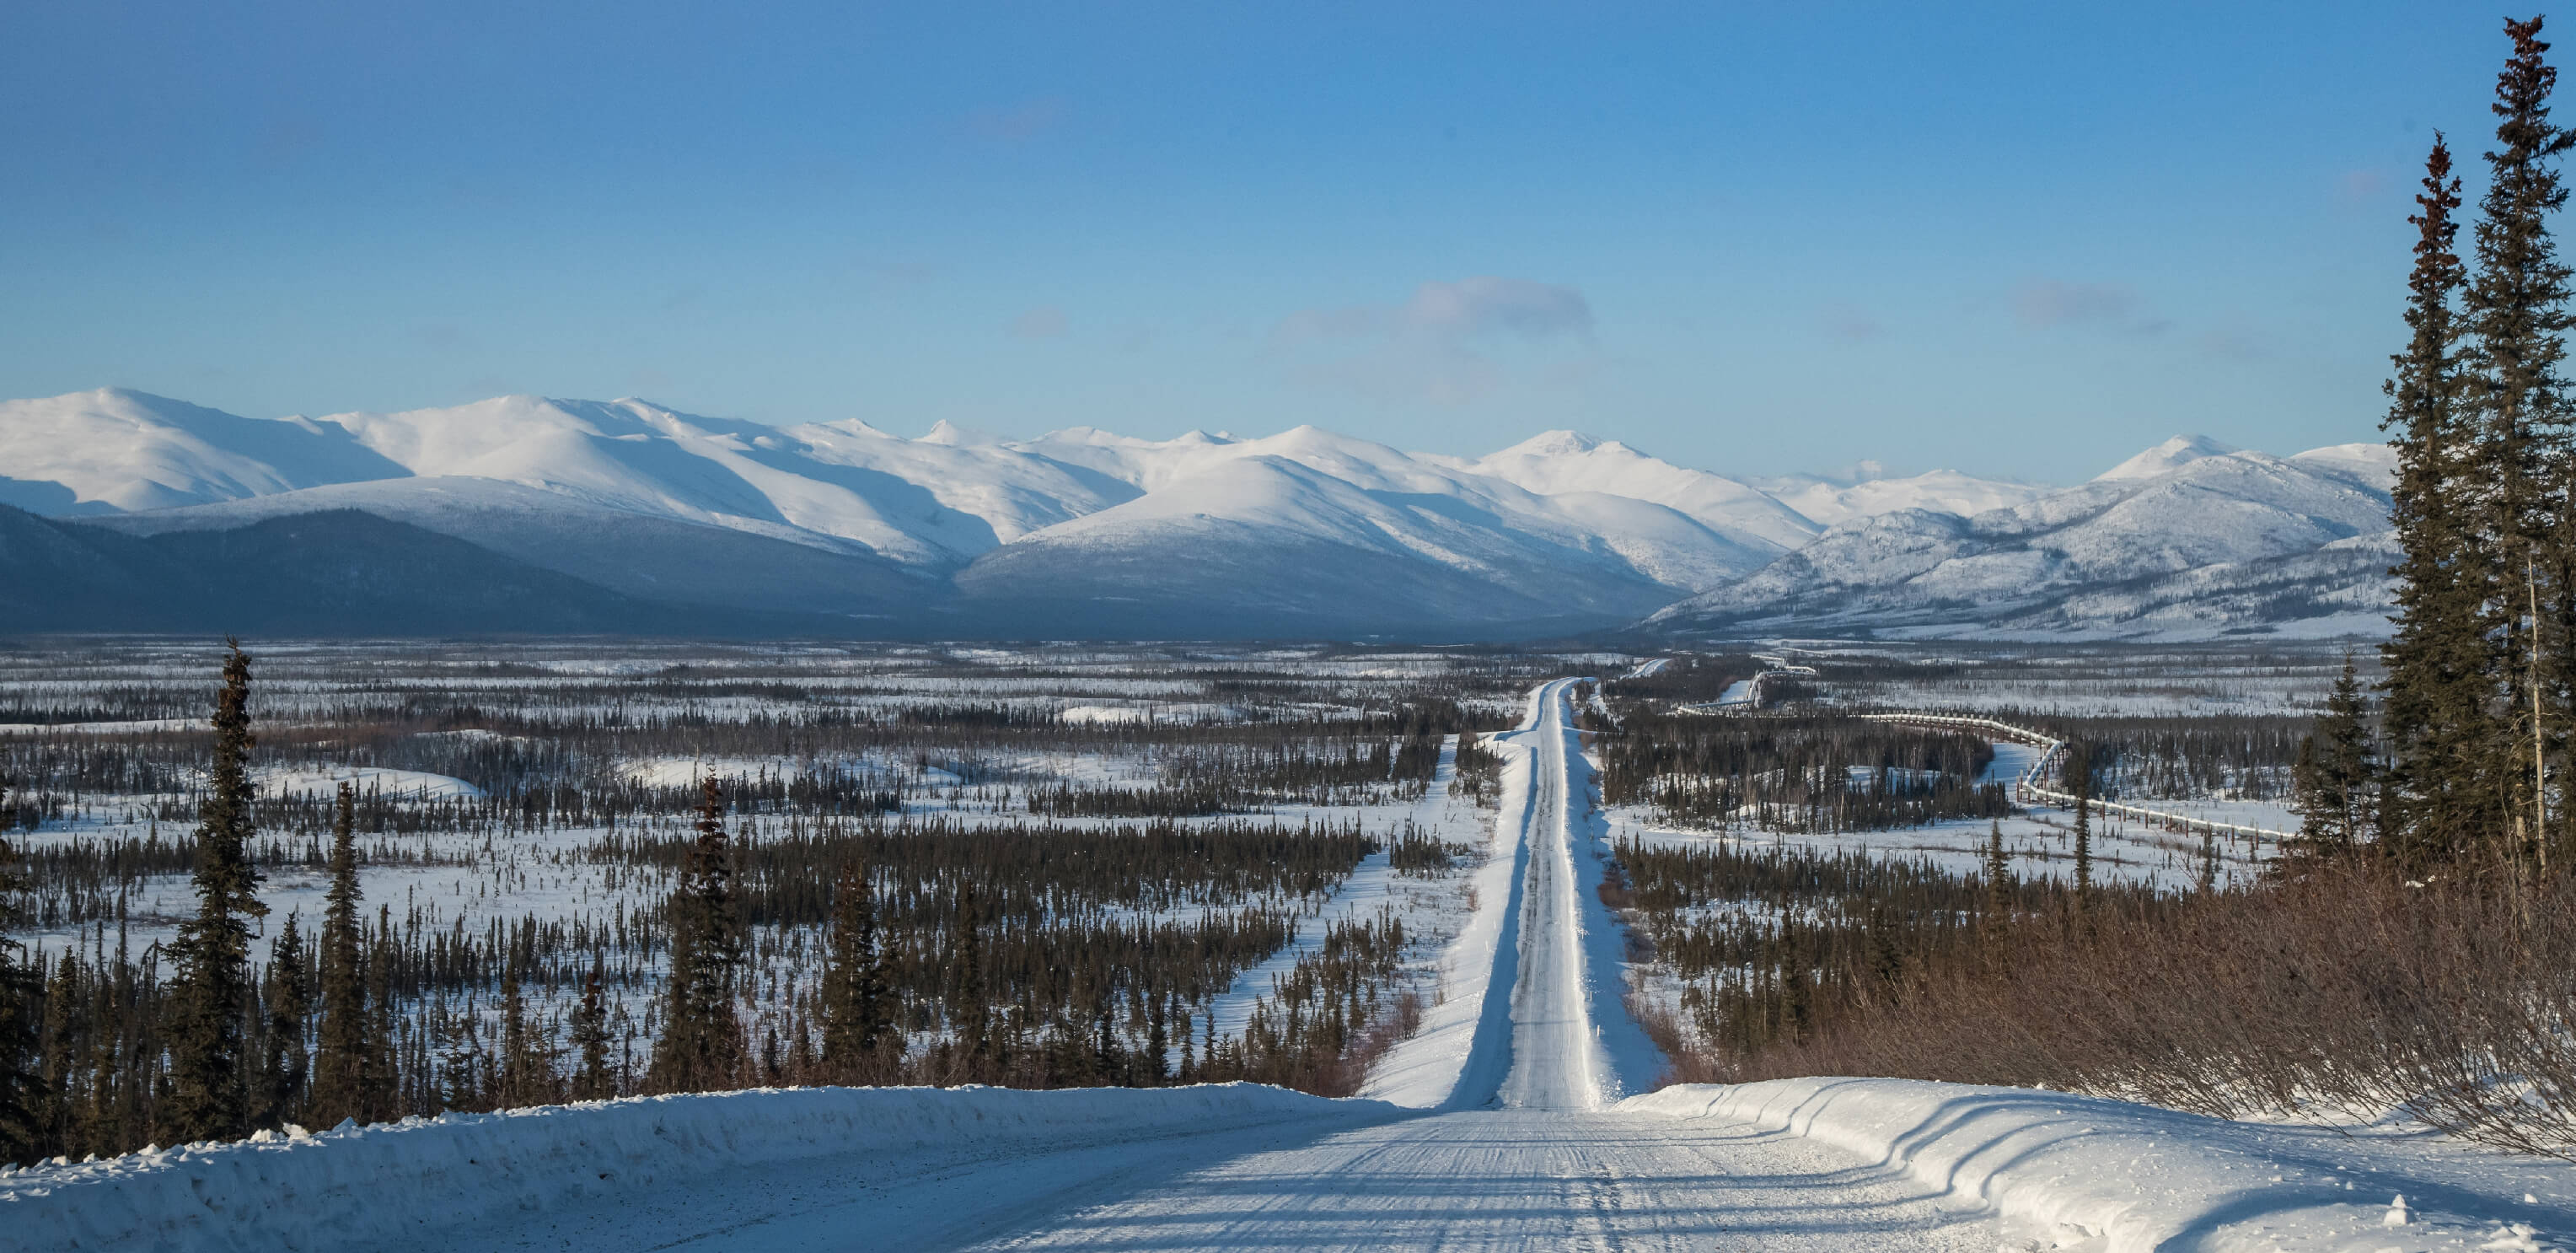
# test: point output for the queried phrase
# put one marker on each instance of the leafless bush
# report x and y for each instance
(2340, 993)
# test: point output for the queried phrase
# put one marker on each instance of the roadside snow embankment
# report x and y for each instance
(2078, 1171)
(365, 1186)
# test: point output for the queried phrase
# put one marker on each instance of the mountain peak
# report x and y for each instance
(1559, 443)
(2170, 455)
(946, 432)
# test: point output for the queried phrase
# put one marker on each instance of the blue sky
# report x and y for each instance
(2019, 239)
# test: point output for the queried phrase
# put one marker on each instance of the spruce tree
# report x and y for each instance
(2439, 682)
(210, 993)
(285, 1066)
(381, 1090)
(340, 1063)
(593, 1081)
(527, 1073)
(2079, 780)
(2337, 777)
(702, 1042)
(970, 1015)
(2517, 315)
(1998, 915)
(23, 1109)
(858, 996)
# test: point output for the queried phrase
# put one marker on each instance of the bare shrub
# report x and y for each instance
(2342, 992)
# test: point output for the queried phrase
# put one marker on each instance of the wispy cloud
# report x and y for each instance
(1473, 306)
(2360, 186)
(1439, 345)
(1043, 322)
(2234, 341)
(1850, 324)
(2048, 303)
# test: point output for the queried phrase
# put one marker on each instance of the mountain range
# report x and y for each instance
(121, 510)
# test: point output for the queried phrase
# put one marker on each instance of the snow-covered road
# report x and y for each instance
(1538, 1163)
(1527, 1179)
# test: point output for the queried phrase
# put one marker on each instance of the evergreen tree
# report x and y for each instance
(381, 1090)
(61, 1112)
(285, 1065)
(2079, 780)
(209, 994)
(23, 1109)
(2517, 316)
(594, 1081)
(970, 1012)
(858, 996)
(702, 1042)
(340, 1064)
(1158, 1042)
(2337, 777)
(2439, 683)
(527, 1075)
(1998, 916)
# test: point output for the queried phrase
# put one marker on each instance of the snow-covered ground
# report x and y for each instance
(1427, 906)
(1525, 1146)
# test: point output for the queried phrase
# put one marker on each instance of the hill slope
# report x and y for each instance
(2187, 539)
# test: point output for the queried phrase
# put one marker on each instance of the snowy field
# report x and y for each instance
(1505, 1127)
(963, 739)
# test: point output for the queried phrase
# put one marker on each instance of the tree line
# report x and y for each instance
(1025, 954)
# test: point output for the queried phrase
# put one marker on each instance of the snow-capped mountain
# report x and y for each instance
(2189, 538)
(844, 526)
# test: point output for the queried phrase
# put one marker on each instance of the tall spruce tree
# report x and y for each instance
(970, 1013)
(340, 1061)
(2438, 711)
(592, 1080)
(527, 1070)
(2517, 315)
(702, 1044)
(381, 1095)
(285, 1065)
(2079, 780)
(1996, 921)
(858, 992)
(210, 994)
(2337, 778)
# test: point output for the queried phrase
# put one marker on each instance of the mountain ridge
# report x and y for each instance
(1310, 530)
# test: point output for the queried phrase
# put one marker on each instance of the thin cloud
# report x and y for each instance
(2235, 342)
(2360, 186)
(1472, 306)
(1043, 322)
(2050, 302)
(1442, 344)
(1850, 324)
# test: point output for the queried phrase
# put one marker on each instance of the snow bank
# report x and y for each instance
(361, 1186)
(1457, 1057)
(2101, 1174)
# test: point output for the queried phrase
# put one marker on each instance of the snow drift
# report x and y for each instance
(359, 1187)
(2086, 1172)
